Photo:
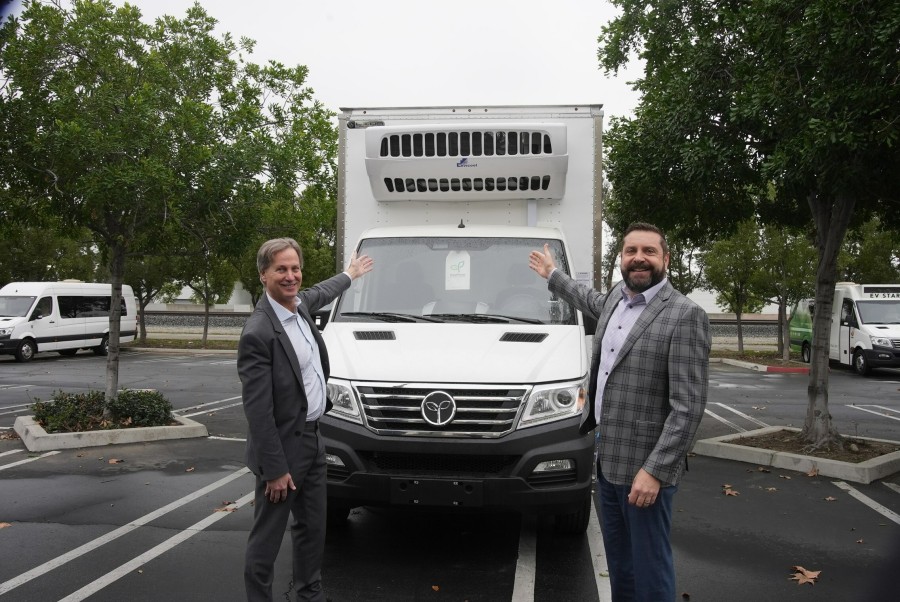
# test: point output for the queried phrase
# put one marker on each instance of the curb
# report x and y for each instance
(763, 367)
(36, 438)
(862, 472)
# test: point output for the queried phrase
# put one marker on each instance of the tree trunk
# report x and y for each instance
(740, 332)
(142, 324)
(784, 341)
(831, 218)
(117, 275)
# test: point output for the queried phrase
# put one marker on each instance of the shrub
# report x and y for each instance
(140, 408)
(69, 412)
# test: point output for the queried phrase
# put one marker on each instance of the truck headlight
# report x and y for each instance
(5, 332)
(879, 341)
(548, 403)
(345, 405)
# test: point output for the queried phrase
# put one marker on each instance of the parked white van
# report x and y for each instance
(61, 316)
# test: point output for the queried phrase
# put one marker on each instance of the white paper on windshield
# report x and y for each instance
(456, 271)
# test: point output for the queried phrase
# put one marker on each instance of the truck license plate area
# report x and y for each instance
(436, 492)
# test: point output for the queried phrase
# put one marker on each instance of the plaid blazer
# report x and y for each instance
(656, 392)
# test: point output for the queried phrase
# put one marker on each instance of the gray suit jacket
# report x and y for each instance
(272, 384)
(655, 394)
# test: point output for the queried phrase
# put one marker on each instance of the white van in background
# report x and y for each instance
(61, 316)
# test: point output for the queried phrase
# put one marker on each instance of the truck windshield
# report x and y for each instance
(15, 307)
(879, 312)
(470, 280)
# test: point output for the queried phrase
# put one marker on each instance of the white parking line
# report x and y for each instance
(884, 511)
(123, 530)
(893, 486)
(866, 409)
(226, 438)
(598, 558)
(20, 462)
(12, 451)
(207, 411)
(526, 565)
(10, 387)
(206, 404)
(152, 553)
(726, 422)
(742, 415)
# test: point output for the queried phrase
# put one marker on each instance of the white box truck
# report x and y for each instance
(865, 326)
(61, 316)
(457, 379)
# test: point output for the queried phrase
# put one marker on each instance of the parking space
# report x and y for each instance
(169, 520)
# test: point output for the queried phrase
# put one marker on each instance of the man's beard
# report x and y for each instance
(639, 286)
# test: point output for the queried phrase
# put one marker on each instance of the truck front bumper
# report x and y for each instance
(366, 469)
(883, 357)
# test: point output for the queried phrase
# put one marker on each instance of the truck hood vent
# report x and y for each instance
(523, 337)
(374, 335)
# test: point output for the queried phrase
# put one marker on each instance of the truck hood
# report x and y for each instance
(9, 321)
(456, 353)
(891, 331)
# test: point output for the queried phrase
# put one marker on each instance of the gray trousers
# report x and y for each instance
(307, 507)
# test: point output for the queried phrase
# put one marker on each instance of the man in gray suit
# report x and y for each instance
(283, 367)
(647, 393)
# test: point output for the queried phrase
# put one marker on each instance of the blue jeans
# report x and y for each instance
(638, 552)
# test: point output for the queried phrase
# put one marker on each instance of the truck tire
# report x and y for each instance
(337, 515)
(575, 523)
(805, 352)
(26, 350)
(860, 365)
(103, 347)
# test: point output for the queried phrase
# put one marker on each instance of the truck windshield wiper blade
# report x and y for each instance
(387, 316)
(485, 318)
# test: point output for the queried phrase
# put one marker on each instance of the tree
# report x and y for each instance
(731, 267)
(150, 277)
(802, 94)
(872, 254)
(122, 128)
(784, 275)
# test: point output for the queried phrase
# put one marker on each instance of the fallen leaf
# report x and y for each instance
(726, 486)
(784, 476)
(189, 469)
(830, 499)
(115, 461)
(141, 571)
(763, 469)
(226, 509)
(436, 588)
(731, 492)
(771, 489)
(5, 525)
(804, 576)
(859, 541)
(813, 472)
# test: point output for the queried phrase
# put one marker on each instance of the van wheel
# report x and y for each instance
(860, 365)
(67, 352)
(103, 347)
(26, 350)
(575, 523)
(805, 353)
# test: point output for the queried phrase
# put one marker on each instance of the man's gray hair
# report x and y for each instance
(269, 249)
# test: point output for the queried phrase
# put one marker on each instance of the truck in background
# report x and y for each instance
(865, 326)
(457, 379)
(61, 316)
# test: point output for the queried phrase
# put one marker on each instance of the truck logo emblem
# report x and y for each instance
(438, 408)
(464, 162)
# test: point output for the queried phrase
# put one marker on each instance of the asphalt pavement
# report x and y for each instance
(169, 520)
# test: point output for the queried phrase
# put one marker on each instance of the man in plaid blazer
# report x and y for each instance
(647, 393)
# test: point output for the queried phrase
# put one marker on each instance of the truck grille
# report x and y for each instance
(477, 466)
(465, 144)
(480, 412)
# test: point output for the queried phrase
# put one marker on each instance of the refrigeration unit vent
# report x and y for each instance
(494, 161)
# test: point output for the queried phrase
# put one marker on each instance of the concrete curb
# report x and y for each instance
(763, 367)
(862, 472)
(36, 438)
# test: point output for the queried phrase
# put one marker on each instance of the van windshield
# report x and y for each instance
(879, 312)
(469, 280)
(15, 307)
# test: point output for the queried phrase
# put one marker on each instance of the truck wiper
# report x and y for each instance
(486, 318)
(388, 316)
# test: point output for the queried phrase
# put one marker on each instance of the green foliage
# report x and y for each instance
(66, 412)
(140, 408)
(71, 412)
(871, 254)
(730, 267)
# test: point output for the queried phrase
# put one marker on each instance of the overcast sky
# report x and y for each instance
(423, 52)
